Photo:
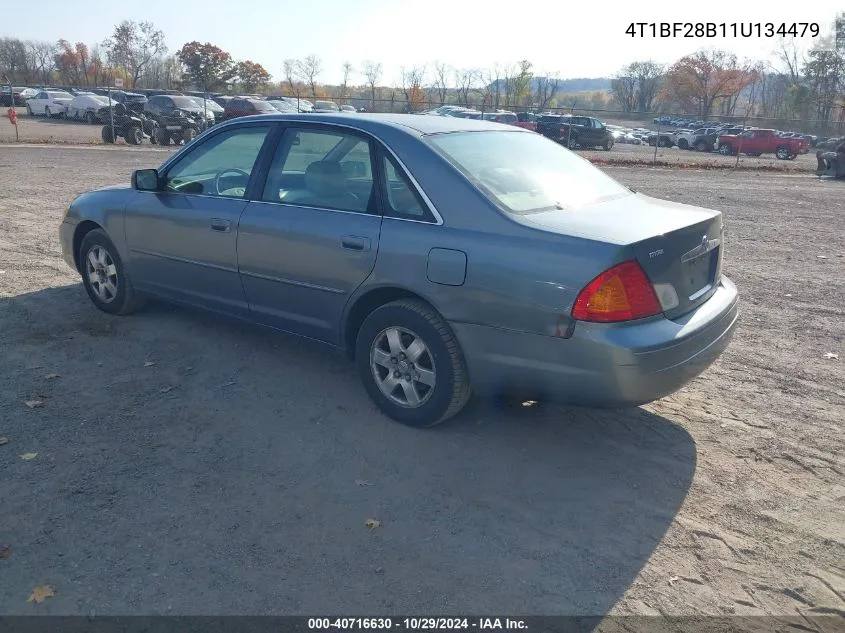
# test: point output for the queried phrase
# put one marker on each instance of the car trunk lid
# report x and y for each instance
(679, 246)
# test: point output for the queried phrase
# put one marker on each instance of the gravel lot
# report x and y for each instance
(62, 132)
(188, 464)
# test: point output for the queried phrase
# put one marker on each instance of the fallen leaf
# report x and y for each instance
(149, 363)
(29, 456)
(362, 482)
(165, 390)
(529, 403)
(4, 440)
(822, 256)
(673, 580)
(5, 550)
(51, 376)
(372, 523)
(787, 295)
(34, 404)
(831, 356)
(41, 593)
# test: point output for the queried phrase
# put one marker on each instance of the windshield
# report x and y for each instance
(263, 106)
(185, 102)
(208, 105)
(526, 173)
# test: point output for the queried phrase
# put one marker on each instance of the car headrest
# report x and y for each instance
(325, 178)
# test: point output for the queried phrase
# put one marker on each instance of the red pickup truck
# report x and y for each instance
(756, 142)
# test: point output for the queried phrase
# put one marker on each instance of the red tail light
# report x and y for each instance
(621, 293)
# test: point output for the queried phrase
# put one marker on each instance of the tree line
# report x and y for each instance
(795, 84)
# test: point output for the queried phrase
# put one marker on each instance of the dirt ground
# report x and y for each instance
(187, 464)
(39, 130)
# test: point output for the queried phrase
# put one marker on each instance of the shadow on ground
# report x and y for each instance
(189, 464)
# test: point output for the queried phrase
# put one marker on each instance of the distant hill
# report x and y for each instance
(588, 84)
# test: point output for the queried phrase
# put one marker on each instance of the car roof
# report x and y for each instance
(374, 122)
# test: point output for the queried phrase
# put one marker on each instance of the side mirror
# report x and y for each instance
(145, 180)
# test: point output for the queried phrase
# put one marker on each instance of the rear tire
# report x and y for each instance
(726, 149)
(438, 376)
(683, 144)
(90, 118)
(106, 134)
(104, 276)
(47, 112)
(782, 153)
(163, 136)
(608, 145)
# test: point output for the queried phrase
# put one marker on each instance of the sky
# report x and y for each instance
(572, 39)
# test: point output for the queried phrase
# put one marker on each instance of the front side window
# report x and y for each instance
(221, 165)
(526, 173)
(322, 169)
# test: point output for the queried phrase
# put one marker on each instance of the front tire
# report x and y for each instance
(411, 364)
(608, 145)
(105, 277)
(106, 134)
(134, 135)
(726, 149)
(683, 144)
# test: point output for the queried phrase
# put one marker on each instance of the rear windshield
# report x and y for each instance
(59, 95)
(526, 173)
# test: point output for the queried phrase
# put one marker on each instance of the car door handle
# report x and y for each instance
(355, 243)
(220, 225)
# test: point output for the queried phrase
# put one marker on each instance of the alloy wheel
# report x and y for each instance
(102, 274)
(403, 367)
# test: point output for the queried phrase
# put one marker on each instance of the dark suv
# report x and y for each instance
(163, 105)
(575, 131)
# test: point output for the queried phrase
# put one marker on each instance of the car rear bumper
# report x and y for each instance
(602, 365)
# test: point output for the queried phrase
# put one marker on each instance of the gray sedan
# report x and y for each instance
(444, 256)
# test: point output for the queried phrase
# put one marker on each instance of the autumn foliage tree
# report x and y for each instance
(696, 82)
(206, 65)
(251, 75)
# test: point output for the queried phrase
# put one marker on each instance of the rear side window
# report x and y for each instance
(403, 200)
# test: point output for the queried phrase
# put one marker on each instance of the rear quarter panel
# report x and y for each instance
(517, 277)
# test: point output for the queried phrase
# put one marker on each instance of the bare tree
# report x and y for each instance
(623, 87)
(133, 46)
(466, 80)
(411, 80)
(42, 55)
(347, 72)
(649, 77)
(289, 68)
(547, 87)
(493, 84)
(308, 69)
(372, 73)
(441, 80)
